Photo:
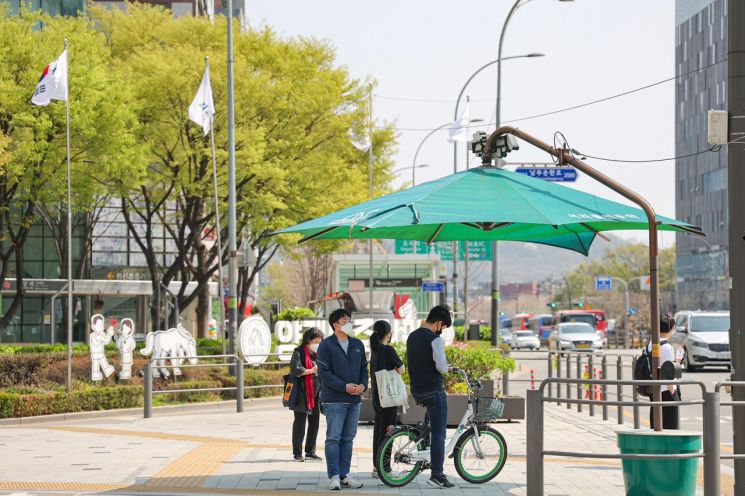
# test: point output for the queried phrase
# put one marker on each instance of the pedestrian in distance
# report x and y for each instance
(307, 407)
(342, 366)
(382, 357)
(670, 414)
(425, 354)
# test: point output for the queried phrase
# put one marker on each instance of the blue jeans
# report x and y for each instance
(341, 428)
(437, 413)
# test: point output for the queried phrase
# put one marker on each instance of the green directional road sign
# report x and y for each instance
(477, 250)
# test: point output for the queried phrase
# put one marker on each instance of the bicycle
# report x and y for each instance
(404, 451)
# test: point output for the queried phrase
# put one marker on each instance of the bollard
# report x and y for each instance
(506, 383)
(558, 376)
(711, 444)
(569, 376)
(619, 388)
(591, 390)
(239, 384)
(148, 400)
(635, 397)
(534, 442)
(579, 386)
(604, 388)
(550, 374)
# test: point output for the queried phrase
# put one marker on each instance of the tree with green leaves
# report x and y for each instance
(33, 165)
(294, 113)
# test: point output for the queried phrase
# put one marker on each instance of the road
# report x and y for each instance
(691, 417)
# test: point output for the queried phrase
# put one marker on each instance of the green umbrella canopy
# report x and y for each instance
(485, 203)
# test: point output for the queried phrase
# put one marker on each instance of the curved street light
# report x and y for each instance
(438, 128)
(401, 169)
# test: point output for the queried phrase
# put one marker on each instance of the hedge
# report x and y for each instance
(195, 397)
(24, 403)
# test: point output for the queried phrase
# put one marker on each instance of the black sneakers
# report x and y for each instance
(312, 456)
(440, 481)
(298, 458)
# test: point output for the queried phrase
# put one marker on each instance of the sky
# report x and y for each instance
(420, 53)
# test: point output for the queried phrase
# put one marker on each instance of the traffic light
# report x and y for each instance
(579, 305)
(552, 305)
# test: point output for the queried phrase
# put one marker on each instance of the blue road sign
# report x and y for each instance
(554, 174)
(632, 311)
(603, 283)
(433, 286)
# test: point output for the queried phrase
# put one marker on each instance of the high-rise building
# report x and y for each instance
(700, 178)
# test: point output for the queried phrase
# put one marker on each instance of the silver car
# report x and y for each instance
(701, 339)
(575, 336)
(524, 339)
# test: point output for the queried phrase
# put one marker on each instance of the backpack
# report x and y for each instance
(643, 371)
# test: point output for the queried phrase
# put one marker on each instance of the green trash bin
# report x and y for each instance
(675, 477)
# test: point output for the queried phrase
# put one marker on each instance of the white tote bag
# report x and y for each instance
(391, 389)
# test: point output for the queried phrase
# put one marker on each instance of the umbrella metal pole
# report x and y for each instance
(565, 157)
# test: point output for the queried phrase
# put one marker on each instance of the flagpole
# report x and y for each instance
(232, 245)
(221, 325)
(370, 193)
(69, 232)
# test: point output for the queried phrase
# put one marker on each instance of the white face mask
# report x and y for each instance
(314, 347)
(347, 328)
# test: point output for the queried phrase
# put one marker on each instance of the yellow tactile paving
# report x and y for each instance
(60, 486)
(193, 468)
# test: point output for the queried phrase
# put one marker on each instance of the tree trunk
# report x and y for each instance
(203, 312)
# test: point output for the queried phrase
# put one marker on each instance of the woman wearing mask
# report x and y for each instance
(307, 406)
(382, 357)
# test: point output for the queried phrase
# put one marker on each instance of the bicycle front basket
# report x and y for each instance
(493, 408)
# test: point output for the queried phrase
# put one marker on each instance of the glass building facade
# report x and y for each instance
(700, 179)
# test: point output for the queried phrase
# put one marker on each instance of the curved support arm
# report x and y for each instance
(566, 158)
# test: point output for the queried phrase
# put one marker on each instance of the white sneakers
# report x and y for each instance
(335, 484)
(351, 483)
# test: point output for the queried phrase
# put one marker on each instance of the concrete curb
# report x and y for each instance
(167, 409)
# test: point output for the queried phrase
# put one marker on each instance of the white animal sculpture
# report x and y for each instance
(174, 344)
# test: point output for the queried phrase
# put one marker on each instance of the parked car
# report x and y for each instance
(575, 336)
(506, 336)
(525, 339)
(702, 339)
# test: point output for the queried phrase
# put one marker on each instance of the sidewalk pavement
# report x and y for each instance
(219, 452)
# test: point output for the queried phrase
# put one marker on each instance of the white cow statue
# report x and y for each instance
(173, 344)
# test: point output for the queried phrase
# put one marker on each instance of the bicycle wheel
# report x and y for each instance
(475, 467)
(395, 466)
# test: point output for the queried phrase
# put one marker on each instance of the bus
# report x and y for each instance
(585, 316)
(519, 322)
(542, 325)
(601, 324)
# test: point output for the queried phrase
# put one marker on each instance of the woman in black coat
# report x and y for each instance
(307, 406)
(382, 357)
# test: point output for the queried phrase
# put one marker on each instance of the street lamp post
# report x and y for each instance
(494, 245)
(455, 168)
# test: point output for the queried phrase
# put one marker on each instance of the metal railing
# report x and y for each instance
(236, 364)
(535, 429)
(571, 364)
(717, 389)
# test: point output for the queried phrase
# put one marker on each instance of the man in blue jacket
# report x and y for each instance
(342, 367)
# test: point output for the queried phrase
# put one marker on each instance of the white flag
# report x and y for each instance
(458, 130)
(362, 143)
(202, 108)
(52, 83)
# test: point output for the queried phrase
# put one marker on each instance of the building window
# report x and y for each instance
(715, 180)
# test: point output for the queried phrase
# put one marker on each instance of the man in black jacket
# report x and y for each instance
(342, 367)
(425, 353)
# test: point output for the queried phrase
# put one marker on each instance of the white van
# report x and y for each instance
(702, 338)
